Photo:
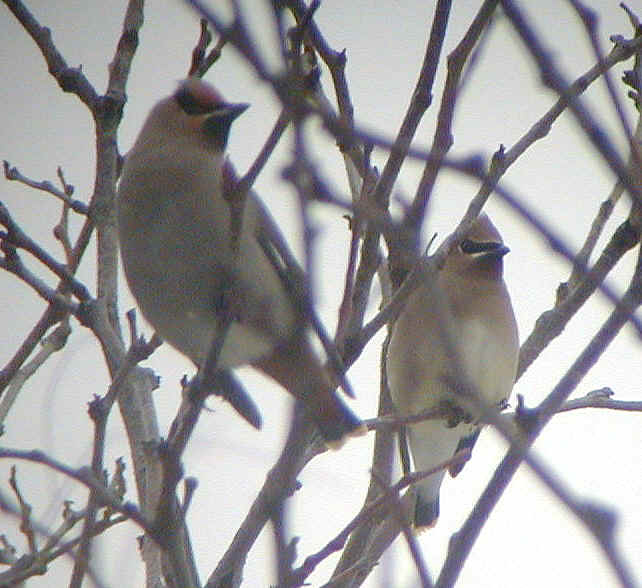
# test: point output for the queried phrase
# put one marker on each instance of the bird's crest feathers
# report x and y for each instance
(480, 252)
(198, 97)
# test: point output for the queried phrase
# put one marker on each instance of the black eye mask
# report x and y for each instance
(473, 247)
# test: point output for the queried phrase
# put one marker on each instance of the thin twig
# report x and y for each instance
(400, 514)
(85, 477)
(28, 566)
(442, 139)
(601, 399)
(553, 78)
(371, 509)
(16, 237)
(54, 342)
(247, 181)
(279, 483)
(13, 174)
(382, 463)
(70, 79)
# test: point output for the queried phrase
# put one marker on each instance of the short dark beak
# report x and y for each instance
(236, 110)
(217, 125)
(501, 251)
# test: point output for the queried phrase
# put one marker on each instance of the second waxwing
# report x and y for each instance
(460, 328)
(183, 259)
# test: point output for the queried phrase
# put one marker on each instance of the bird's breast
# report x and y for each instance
(490, 359)
(179, 258)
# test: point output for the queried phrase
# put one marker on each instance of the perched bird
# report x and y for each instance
(190, 260)
(459, 330)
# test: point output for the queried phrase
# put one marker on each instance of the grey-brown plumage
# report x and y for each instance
(183, 264)
(470, 301)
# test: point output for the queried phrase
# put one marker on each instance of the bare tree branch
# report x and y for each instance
(552, 77)
(70, 79)
(601, 399)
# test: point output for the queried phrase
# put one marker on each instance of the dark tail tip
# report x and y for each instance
(426, 513)
(336, 428)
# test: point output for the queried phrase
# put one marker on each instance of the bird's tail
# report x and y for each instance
(296, 367)
(426, 510)
(432, 442)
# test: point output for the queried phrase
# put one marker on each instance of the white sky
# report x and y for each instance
(529, 540)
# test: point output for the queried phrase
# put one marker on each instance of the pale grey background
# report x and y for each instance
(529, 540)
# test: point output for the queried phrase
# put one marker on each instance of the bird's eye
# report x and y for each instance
(470, 247)
(191, 105)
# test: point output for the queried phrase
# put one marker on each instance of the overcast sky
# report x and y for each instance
(530, 540)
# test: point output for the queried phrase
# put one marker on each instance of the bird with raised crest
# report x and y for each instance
(456, 330)
(190, 264)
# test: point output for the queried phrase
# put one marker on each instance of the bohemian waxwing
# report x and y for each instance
(174, 217)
